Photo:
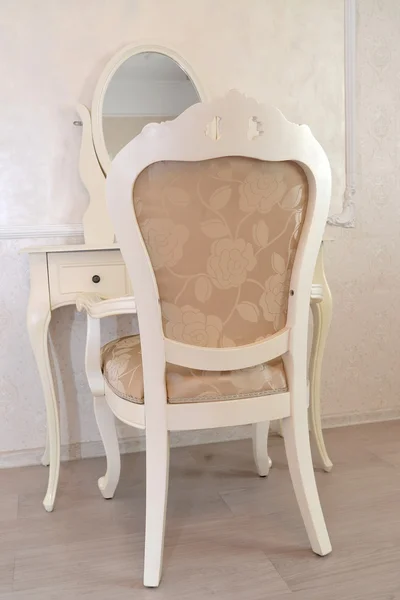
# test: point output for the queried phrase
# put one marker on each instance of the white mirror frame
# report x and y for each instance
(94, 159)
(109, 71)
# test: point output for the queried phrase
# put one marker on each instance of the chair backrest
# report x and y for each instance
(221, 236)
(220, 215)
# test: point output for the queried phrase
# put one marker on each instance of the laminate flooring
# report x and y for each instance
(230, 534)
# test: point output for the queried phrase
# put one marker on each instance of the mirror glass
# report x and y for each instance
(147, 88)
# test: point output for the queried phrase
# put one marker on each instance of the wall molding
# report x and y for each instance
(347, 217)
(41, 231)
(32, 456)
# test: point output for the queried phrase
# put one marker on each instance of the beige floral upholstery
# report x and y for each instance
(222, 236)
(122, 368)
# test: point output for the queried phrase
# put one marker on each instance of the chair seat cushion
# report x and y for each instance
(122, 369)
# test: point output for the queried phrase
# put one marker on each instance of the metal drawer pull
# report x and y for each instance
(96, 278)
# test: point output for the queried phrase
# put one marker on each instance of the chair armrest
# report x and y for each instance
(98, 307)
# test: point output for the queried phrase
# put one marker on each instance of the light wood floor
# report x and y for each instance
(230, 535)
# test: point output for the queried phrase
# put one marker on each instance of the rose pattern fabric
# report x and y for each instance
(272, 300)
(229, 262)
(222, 236)
(166, 240)
(122, 368)
(189, 325)
(261, 191)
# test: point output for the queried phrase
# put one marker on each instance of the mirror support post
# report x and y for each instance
(97, 228)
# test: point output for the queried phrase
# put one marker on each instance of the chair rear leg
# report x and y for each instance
(297, 444)
(157, 475)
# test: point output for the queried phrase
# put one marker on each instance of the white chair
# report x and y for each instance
(219, 215)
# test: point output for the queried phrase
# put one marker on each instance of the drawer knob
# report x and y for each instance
(96, 278)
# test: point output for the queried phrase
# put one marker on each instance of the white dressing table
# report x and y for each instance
(59, 273)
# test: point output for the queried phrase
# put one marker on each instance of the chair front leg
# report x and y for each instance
(104, 416)
(260, 448)
(108, 432)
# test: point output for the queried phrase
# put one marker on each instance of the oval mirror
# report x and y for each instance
(147, 87)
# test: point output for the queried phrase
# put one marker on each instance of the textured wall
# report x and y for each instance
(52, 62)
(362, 375)
(55, 50)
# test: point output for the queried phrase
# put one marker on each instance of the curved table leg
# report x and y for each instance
(46, 454)
(38, 319)
(321, 308)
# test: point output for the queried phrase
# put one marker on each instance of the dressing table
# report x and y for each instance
(140, 84)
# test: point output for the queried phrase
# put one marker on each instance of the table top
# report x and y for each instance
(84, 248)
(67, 248)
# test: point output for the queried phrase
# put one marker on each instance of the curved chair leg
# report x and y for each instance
(321, 308)
(260, 448)
(298, 451)
(108, 432)
(157, 474)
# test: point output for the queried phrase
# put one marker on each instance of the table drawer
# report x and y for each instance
(71, 273)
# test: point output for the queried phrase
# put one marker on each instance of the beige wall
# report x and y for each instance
(54, 51)
(362, 374)
(52, 62)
